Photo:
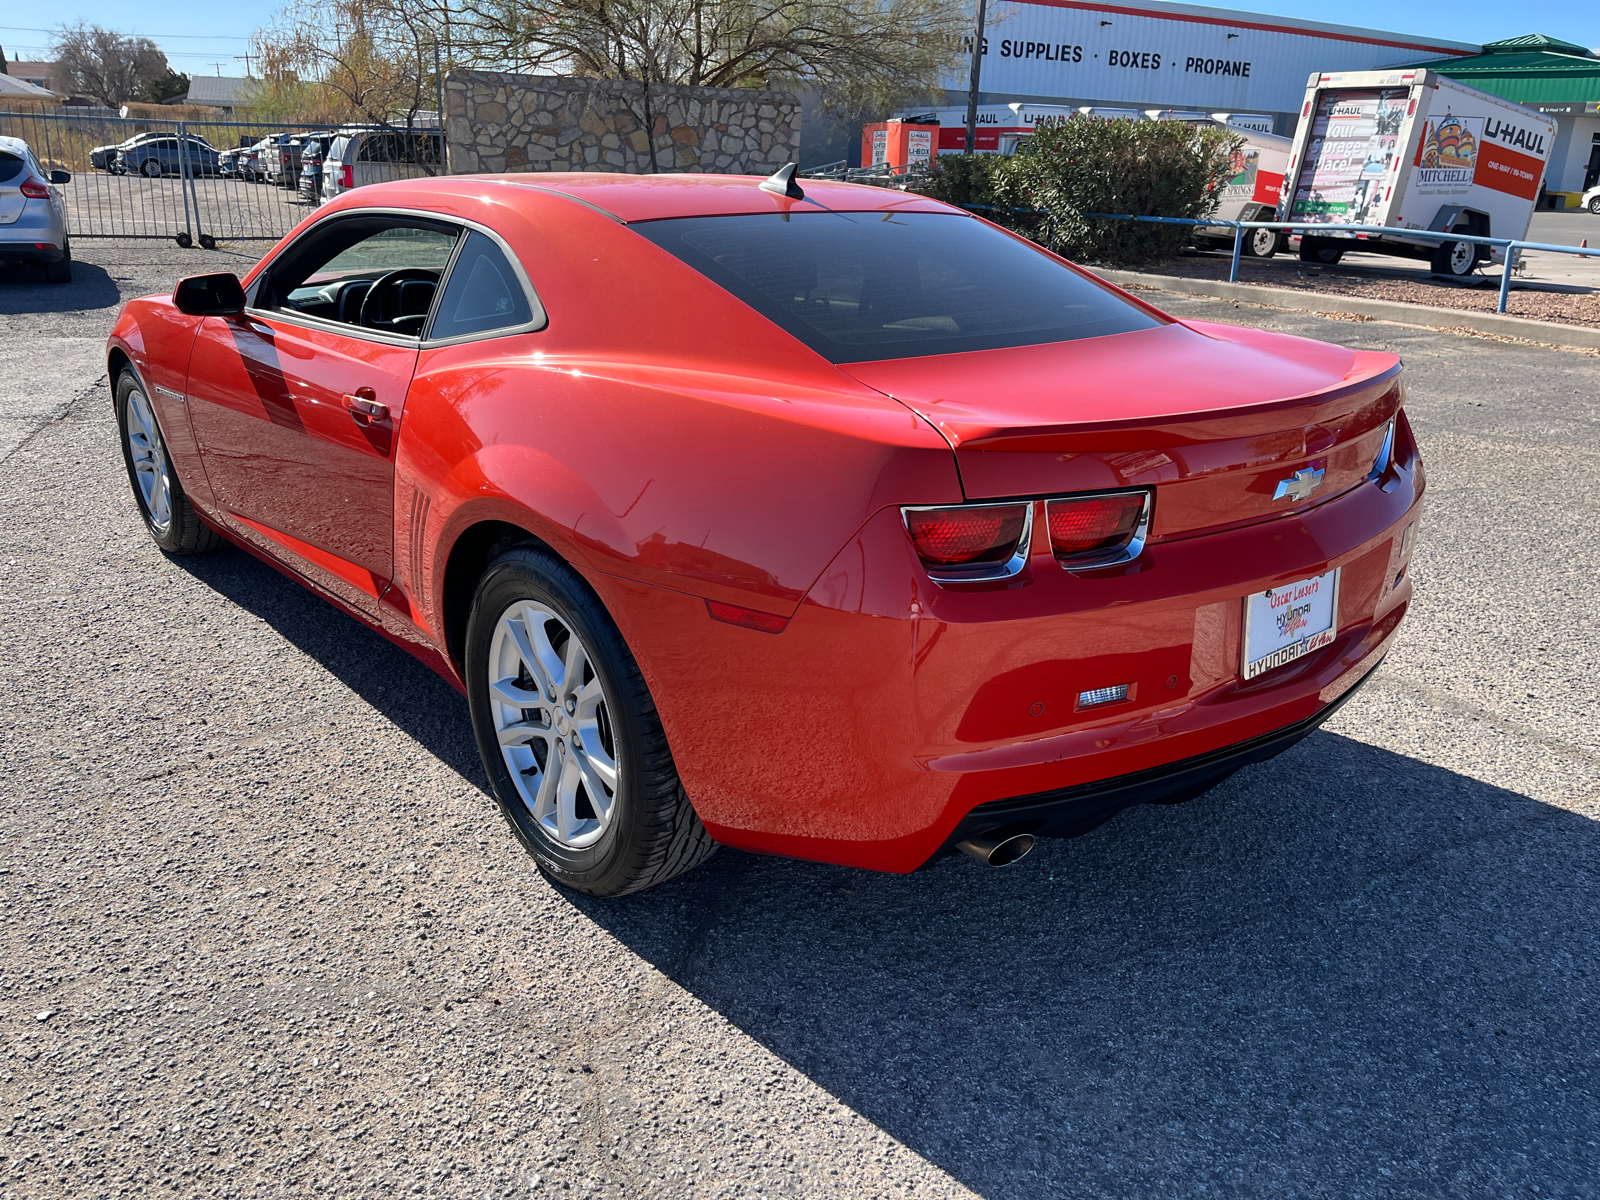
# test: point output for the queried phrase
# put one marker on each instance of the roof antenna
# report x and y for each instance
(781, 183)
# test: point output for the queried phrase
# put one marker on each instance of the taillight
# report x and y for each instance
(35, 189)
(971, 541)
(1096, 531)
(347, 175)
(1385, 456)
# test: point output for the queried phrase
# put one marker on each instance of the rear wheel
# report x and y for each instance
(1454, 259)
(1594, 206)
(569, 734)
(151, 168)
(166, 510)
(60, 272)
(1320, 250)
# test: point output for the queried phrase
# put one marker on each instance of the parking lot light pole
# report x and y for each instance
(977, 71)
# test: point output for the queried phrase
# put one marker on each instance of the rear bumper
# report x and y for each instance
(1073, 811)
(21, 241)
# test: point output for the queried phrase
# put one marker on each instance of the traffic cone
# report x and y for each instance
(1583, 245)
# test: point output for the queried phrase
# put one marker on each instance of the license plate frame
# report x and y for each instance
(1277, 649)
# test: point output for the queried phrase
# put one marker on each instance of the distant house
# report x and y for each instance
(45, 75)
(225, 92)
(21, 89)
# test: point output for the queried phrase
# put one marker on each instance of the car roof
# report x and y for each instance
(13, 143)
(660, 197)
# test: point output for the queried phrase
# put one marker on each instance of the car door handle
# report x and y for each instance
(364, 407)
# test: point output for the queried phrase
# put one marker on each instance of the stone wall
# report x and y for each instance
(497, 122)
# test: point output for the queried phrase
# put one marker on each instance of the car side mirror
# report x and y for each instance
(60, 176)
(220, 295)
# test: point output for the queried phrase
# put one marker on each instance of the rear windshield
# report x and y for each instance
(10, 166)
(858, 287)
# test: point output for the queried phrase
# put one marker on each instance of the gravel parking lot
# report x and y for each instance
(267, 936)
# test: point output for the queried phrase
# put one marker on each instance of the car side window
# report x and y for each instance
(376, 272)
(483, 293)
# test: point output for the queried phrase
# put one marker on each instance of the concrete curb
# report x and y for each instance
(1578, 337)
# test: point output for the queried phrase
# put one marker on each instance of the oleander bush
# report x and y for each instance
(1083, 165)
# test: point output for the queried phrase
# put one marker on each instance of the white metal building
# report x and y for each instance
(1147, 54)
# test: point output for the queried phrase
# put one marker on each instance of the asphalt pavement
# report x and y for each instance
(266, 936)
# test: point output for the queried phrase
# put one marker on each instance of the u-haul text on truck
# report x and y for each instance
(1414, 150)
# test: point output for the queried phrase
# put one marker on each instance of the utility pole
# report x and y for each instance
(246, 57)
(217, 66)
(977, 72)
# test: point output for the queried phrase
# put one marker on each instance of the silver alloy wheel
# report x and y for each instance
(149, 462)
(554, 724)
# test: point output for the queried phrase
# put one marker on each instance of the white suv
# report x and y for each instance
(33, 216)
(360, 157)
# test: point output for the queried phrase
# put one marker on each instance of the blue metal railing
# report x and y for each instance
(1512, 245)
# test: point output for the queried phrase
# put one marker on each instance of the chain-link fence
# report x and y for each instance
(209, 181)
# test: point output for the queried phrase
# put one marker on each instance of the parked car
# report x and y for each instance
(280, 160)
(228, 163)
(33, 213)
(166, 155)
(840, 524)
(355, 159)
(311, 155)
(108, 158)
(1591, 200)
(250, 164)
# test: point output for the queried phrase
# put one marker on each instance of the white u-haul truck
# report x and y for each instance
(1411, 149)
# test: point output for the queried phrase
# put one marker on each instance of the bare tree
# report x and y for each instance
(892, 49)
(112, 67)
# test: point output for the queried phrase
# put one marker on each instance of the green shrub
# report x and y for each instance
(1152, 168)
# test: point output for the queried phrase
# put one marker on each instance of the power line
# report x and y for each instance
(197, 37)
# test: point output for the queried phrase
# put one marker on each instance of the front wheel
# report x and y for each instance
(1594, 206)
(569, 734)
(1454, 259)
(167, 513)
(1262, 243)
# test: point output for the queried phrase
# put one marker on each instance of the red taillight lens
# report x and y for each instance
(1095, 528)
(35, 189)
(347, 175)
(971, 535)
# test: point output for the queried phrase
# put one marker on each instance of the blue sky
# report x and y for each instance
(198, 34)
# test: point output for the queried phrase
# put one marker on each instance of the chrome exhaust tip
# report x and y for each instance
(997, 851)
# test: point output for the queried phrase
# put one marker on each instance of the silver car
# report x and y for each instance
(33, 216)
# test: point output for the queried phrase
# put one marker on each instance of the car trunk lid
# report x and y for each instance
(1214, 417)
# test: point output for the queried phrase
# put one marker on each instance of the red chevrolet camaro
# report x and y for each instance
(842, 525)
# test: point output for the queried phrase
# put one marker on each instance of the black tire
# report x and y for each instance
(185, 533)
(60, 272)
(1321, 251)
(207, 242)
(653, 833)
(1454, 259)
(1594, 206)
(147, 172)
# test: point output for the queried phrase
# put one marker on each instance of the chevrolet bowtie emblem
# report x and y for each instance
(1301, 486)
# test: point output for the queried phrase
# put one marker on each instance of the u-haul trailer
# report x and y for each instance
(1412, 149)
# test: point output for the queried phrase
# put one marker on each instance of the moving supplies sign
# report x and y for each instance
(1117, 54)
(1353, 143)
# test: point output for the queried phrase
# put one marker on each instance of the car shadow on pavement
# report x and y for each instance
(1344, 972)
(386, 677)
(23, 290)
(1341, 973)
